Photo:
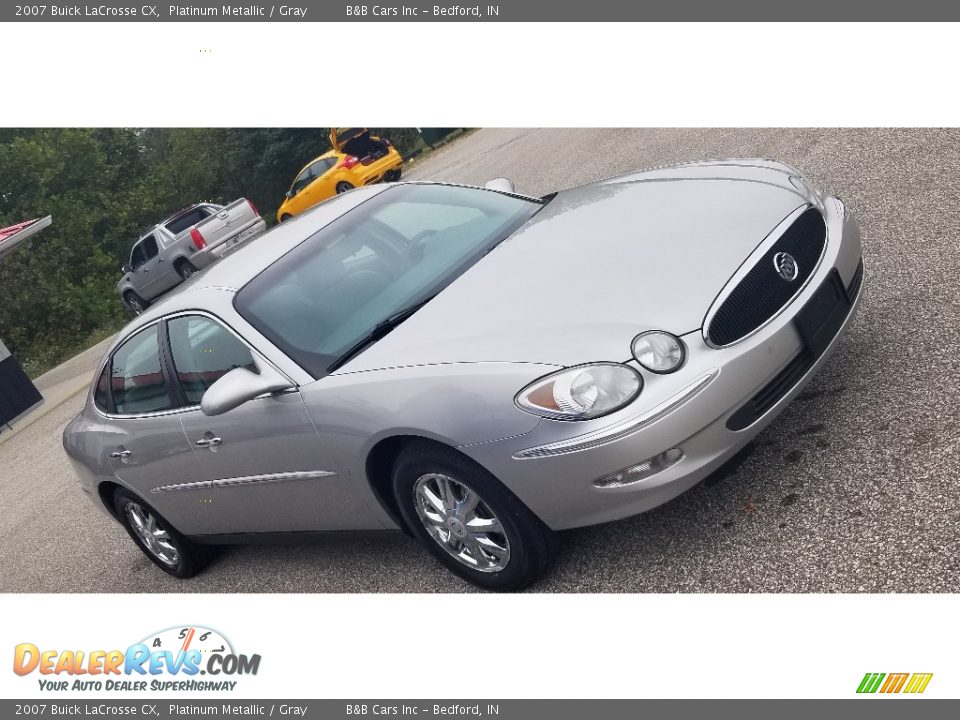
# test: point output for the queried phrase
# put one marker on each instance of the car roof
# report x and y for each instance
(328, 153)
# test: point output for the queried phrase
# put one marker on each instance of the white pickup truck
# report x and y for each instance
(188, 241)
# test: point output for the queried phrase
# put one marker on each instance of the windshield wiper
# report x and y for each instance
(382, 328)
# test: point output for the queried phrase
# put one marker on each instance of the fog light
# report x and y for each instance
(641, 471)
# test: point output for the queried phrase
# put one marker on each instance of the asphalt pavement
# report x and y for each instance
(853, 489)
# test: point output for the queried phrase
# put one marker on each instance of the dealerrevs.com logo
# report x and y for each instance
(181, 659)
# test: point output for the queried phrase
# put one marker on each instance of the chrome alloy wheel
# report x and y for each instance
(155, 539)
(458, 519)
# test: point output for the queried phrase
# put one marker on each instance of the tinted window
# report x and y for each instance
(311, 173)
(100, 395)
(397, 249)
(203, 352)
(136, 377)
(149, 246)
(137, 257)
(188, 219)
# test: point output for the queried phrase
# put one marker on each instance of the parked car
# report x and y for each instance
(476, 367)
(357, 159)
(186, 242)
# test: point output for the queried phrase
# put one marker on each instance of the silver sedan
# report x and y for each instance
(475, 367)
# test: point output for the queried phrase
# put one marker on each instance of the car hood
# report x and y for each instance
(596, 266)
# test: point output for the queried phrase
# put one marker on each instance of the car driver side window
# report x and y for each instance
(136, 376)
(203, 352)
(149, 245)
(137, 257)
(309, 174)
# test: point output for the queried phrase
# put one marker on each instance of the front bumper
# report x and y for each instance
(698, 410)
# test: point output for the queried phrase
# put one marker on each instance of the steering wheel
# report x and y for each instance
(414, 252)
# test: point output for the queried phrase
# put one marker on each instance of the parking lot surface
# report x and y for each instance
(853, 489)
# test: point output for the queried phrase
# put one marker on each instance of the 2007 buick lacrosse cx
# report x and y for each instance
(475, 367)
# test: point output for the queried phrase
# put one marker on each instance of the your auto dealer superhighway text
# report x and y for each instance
(153, 11)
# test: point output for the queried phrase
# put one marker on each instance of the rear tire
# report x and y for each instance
(157, 539)
(136, 303)
(480, 530)
(185, 269)
(343, 186)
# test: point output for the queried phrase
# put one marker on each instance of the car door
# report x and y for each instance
(324, 185)
(148, 268)
(265, 466)
(138, 280)
(144, 436)
(300, 199)
(167, 275)
(316, 184)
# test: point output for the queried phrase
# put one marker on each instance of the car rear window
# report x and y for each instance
(137, 378)
(188, 219)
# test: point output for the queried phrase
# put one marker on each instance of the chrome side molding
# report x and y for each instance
(246, 480)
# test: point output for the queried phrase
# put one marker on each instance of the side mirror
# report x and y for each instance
(125, 269)
(500, 184)
(239, 386)
(288, 194)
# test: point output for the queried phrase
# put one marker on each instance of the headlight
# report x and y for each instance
(581, 393)
(658, 352)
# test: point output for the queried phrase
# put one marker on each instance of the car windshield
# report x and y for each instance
(390, 253)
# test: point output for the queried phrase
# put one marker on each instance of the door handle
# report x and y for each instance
(209, 442)
(121, 453)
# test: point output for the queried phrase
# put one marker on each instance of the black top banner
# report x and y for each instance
(486, 11)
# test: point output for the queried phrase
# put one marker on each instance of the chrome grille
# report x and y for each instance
(771, 283)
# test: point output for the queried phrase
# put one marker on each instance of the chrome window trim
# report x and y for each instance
(245, 480)
(622, 429)
(185, 408)
(750, 263)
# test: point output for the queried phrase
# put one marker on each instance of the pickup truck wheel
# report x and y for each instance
(136, 303)
(343, 186)
(185, 269)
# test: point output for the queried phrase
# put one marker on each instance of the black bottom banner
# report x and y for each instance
(872, 708)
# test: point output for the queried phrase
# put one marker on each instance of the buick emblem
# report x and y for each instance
(786, 266)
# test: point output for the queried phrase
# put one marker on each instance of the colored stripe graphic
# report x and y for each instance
(870, 682)
(918, 682)
(894, 683)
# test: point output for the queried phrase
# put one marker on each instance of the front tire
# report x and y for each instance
(468, 520)
(157, 539)
(343, 186)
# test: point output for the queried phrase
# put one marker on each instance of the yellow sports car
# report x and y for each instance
(357, 158)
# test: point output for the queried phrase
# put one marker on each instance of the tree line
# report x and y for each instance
(104, 187)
